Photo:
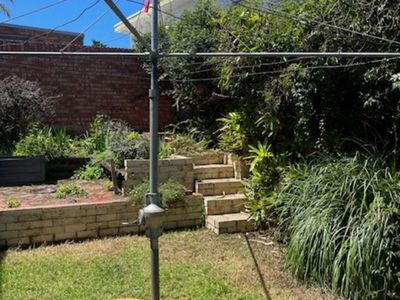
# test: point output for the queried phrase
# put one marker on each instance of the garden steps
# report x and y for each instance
(230, 223)
(213, 171)
(224, 204)
(220, 186)
(224, 200)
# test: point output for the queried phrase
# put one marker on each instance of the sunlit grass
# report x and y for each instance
(194, 265)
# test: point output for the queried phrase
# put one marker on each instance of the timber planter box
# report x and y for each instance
(64, 167)
(19, 170)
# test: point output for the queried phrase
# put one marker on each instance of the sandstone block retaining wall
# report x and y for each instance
(177, 167)
(29, 226)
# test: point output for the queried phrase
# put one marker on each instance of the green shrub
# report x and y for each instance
(138, 194)
(126, 144)
(266, 170)
(165, 150)
(342, 220)
(172, 192)
(89, 172)
(70, 190)
(43, 140)
(187, 144)
(108, 185)
(96, 139)
(22, 103)
(12, 203)
(233, 133)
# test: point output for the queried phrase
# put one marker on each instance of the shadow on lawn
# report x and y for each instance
(260, 275)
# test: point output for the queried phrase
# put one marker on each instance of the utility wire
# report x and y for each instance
(297, 18)
(255, 65)
(275, 72)
(55, 28)
(33, 12)
(87, 28)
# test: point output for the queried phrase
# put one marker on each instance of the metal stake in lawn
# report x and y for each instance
(152, 215)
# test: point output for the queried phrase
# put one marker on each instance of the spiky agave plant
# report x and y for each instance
(342, 219)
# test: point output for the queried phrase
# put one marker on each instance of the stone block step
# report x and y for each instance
(230, 223)
(224, 204)
(213, 187)
(213, 171)
(209, 158)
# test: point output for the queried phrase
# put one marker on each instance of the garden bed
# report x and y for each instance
(42, 218)
(45, 194)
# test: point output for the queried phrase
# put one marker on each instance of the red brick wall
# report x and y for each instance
(40, 35)
(87, 85)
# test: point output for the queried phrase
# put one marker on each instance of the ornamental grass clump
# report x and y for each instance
(342, 220)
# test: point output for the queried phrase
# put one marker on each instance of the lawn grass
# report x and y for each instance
(194, 265)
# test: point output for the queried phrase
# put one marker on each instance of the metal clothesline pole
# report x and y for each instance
(152, 214)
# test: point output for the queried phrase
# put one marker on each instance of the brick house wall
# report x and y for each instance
(86, 85)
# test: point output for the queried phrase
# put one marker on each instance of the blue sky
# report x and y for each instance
(70, 9)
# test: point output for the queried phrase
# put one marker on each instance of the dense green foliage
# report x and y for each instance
(172, 192)
(22, 103)
(266, 170)
(49, 142)
(187, 144)
(89, 172)
(342, 220)
(340, 215)
(105, 140)
(67, 190)
(297, 105)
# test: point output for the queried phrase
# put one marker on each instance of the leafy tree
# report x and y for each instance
(97, 43)
(297, 106)
(22, 103)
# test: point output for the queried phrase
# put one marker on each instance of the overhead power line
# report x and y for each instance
(88, 28)
(55, 28)
(33, 12)
(276, 72)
